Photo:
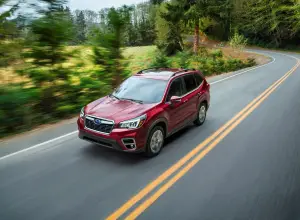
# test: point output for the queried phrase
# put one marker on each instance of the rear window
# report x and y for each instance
(190, 82)
(198, 78)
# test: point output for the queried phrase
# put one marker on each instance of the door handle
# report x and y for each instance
(185, 101)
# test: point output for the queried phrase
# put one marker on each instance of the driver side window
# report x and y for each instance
(176, 89)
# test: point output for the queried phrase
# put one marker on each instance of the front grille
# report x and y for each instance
(103, 125)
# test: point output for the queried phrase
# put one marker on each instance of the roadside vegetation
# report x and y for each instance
(54, 63)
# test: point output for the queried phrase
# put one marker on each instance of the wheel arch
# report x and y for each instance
(159, 122)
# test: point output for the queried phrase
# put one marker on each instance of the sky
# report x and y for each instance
(96, 5)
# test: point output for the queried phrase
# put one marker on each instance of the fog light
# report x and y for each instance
(129, 143)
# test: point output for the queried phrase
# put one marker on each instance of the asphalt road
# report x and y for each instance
(252, 172)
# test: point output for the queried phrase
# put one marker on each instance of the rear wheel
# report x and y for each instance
(155, 141)
(201, 115)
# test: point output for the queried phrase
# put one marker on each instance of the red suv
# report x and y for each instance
(147, 107)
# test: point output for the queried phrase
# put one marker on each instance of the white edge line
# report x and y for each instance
(215, 82)
(37, 145)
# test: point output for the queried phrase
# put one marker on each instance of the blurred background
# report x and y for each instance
(56, 57)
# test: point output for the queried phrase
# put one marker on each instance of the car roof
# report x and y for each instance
(163, 73)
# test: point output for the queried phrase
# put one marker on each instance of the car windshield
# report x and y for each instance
(141, 90)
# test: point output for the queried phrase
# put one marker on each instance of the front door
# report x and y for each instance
(176, 111)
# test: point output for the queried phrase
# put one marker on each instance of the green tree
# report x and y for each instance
(52, 30)
(107, 45)
(146, 25)
(202, 14)
(10, 47)
(170, 40)
(272, 22)
(118, 19)
(80, 27)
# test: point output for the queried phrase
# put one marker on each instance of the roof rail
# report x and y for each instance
(182, 71)
(153, 68)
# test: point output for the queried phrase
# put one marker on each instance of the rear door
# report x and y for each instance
(201, 90)
(191, 97)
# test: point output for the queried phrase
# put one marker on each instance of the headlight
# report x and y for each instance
(82, 113)
(134, 123)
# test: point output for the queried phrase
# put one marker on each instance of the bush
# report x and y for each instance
(184, 59)
(234, 64)
(160, 60)
(219, 66)
(203, 52)
(18, 108)
(216, 54)
(204, 67)
(238, 41)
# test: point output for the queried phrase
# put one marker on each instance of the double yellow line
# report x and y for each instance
(193, 157)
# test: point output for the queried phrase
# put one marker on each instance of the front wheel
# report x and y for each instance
(201, 115)
(155, 142)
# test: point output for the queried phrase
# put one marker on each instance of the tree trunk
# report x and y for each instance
(196, 37)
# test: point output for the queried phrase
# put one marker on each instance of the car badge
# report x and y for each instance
(97, 121)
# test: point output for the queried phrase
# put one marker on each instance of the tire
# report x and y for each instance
(201, 114)
(157, 135)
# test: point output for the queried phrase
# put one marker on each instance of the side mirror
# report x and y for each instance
(174, 100)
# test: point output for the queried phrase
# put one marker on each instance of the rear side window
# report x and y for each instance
(198, 78)
(176, 89)
(190, 82)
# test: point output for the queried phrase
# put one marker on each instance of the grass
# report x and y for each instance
(140, 57)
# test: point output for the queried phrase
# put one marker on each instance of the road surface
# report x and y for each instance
(249, 169)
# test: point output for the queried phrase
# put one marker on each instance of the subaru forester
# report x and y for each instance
(145, 109)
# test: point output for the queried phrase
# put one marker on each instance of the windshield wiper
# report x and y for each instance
(134, 100)
(111, 95)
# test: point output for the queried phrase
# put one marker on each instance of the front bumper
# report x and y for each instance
(104, 142)
(115, 140)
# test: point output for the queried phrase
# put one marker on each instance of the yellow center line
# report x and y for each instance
(141, 208)
(144, 192)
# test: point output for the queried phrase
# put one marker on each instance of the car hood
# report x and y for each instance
(117, 110)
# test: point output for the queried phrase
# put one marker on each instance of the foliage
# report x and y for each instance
(117, 21)
(156, 2)
(238, 41)
(161, 27)
(10, 52)
(160, 60)
(271, 22)
(203, 14)
(9, 49)
(80, 27)
(217, 54)
(184, 59)
(17, 114)
(172, 41)
(140, 28)
(52, 31)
